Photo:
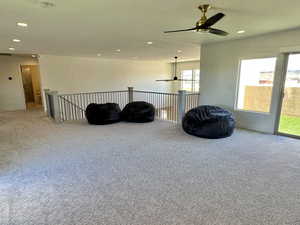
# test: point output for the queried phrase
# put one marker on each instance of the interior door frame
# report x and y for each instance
(22, 76)
(281, 96)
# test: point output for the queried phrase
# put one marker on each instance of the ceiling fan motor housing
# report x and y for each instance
(203, 9)
(201, 21)
(205, 24)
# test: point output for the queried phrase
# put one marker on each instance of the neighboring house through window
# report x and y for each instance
(256, 84)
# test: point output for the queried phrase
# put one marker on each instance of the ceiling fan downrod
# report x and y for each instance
(175, 68)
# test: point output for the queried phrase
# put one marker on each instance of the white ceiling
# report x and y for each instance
(88, 27)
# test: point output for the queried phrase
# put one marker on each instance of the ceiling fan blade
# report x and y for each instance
(212, 20)
(165, 80)
(186, 80)
(217, 32)
(173, 31)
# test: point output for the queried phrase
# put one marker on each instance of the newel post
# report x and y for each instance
(181, 104)
(46, 102)
(55, 106)
(130, 94)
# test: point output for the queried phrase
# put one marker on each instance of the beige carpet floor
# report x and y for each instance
(143, 174)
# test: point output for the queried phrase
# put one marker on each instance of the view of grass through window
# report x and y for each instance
(290, 112)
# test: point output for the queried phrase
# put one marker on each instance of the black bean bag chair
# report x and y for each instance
(101, 114)
(138, 112)
(208, 122)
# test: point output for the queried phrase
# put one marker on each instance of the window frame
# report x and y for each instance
(239, 79)
(192, 81)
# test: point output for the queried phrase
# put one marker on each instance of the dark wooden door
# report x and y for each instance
(27, 84)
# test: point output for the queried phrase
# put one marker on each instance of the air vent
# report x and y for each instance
(5, 54)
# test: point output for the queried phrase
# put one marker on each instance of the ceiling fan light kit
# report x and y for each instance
(205, 24)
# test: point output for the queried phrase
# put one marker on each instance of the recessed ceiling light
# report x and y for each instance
(149, 42)
(11, 49)
(99, 54)
(16, 40)
(22, 24)
(241, 31)
(179, 51)
(118, 50)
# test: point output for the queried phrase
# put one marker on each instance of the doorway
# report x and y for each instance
(289, 118)
(32, 87)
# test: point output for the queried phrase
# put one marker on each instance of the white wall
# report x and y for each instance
(188, 65)
(77, 74)
(220, 67)
(11, 91)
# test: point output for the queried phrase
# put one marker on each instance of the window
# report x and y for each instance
(191, 80)
(256, 84)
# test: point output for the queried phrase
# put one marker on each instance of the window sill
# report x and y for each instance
(249, 111)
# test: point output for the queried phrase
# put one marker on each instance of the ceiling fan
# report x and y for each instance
(204, 24)
(175, 78)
